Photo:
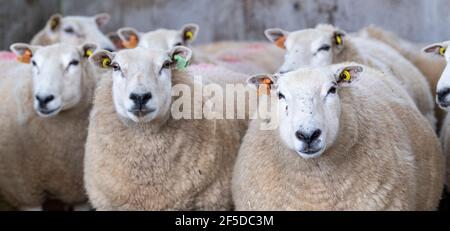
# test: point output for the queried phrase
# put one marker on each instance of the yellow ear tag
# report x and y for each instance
(26, 57)
(338, 39)
(442, 51)
(106, 62)
(345, 76)
(131, 43)
(88, 53)
(189, 35)
(280, 42)
(264, 86)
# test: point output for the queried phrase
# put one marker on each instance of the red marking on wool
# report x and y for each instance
(6, 55)
(203, 66)
(255, 46)
(230, 58)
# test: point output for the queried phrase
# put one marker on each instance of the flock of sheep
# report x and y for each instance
(86, 119)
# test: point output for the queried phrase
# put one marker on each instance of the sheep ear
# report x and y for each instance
(345, 76)
(438, 49)
(129, 36)
(102, 59)
(189, 32)
(263, 83)
(277, 36)
(180, 56)
(88, 49)
(338, 38)
(24, 52)
(102, 19)
(53, 24)
(116, 40)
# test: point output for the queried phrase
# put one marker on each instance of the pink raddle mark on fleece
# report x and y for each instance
(230, 58)
(202, 66)
(6, 55)
(255, 46)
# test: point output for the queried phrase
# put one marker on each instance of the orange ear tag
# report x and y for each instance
(264, 86)
(131, 43)
(26, 57)
(280, 42)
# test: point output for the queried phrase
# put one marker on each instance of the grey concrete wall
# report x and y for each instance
(417, 20)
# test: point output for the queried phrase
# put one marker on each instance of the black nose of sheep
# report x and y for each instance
(44, 100)
(140, 99)
(308, 137)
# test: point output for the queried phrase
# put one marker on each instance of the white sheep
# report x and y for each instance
(138, 157)
(348, 139)
(74, 30)
(243, 57)
(326, 44)
(43, 122)
(246, 57)
(164, 39)
(430, 66)
(443, 95)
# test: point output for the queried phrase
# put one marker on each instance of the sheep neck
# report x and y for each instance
(349, 53)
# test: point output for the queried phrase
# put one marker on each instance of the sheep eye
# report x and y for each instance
(178, 44)
(115, 67)
(332, 90)
(325, 48)
(69, 30)
(74, 63)
(167, 64)
(33, 63)
(280, 96)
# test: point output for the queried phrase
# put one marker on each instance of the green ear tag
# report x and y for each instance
(182, 63)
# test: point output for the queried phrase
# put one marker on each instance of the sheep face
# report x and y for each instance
(159, 39)
(57, 72)
(142, 81)
(309, 107)
(77, 30)
(307, 48)
(443, 86)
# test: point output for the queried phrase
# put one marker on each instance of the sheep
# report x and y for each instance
(164, 39)
(138, 156)
(334, 150)
(244, 57)
(326, 44)
(430, 66)
(74, 30)
(442, 95)
(43, 122)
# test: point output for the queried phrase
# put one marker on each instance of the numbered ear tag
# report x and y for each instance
(88, 53)
(106, 62)
(338, 39)
(26, 57)
(189, 35)
(280, 42)
(182, 63)
(442, 51)
(264, 86)
(345, 76)
(131, 43)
